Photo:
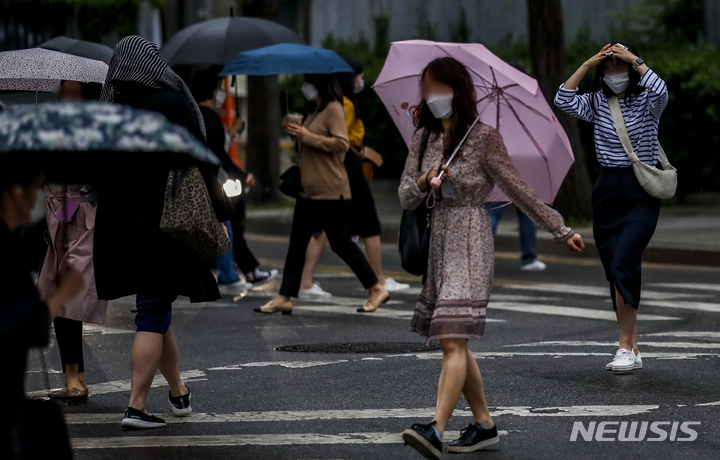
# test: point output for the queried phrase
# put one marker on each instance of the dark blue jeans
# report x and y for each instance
(528, 230)
(226, 263)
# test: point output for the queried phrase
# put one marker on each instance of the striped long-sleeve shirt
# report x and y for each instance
(641, 113)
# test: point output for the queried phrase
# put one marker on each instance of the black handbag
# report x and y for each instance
(415, 228)
(290, 182)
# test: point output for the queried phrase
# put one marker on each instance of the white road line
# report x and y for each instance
(379, 313)
(558, 354)
(690, 286)
(703, 334)
(287, 364)
(716, 403)
(243, 440)
(586, 313)
(92, 329)
(685, 305)
(599, 291)
(362, 414)
(590, 343)
(119, 386)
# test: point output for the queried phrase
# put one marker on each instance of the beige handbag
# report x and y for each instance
(659, 183)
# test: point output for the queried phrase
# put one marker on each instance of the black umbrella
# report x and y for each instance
(216, 41)
(80, 48)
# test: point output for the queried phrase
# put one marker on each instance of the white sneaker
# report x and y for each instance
(535, 266)
(609, 366)
(638, 362)
(235, 288)
(313, 293)
(625, 361)
(393, 286)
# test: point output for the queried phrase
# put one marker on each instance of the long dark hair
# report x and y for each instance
(598, 85)
(451, 72)
(328, 89)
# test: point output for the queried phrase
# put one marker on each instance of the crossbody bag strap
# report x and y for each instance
(621, 129)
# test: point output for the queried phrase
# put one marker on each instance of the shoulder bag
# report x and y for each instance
(659, 183)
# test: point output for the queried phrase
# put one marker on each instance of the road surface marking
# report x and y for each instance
(495, 354)
(286, 364)
(601, 291)
(685, 305)
(705, 334)
(689, 286)
(716, 403)
(351, 414)
(590, 343)
(586, 313)
(119, 386)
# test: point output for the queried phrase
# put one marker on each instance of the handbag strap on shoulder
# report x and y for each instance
(621, 129)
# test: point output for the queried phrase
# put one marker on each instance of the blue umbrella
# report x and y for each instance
(286, 58)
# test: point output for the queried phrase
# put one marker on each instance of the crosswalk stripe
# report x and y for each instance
(689, 286)
(379, 313)
(590, 343)
(364, 414)
(703, 334)
(557, 354)
(684, 305)
(600, 291)
(585, 313)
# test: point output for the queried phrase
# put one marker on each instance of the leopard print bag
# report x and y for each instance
(188, 216)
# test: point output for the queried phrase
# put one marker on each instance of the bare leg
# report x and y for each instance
(144, 361)
(627, 318)
(475, 393)
(72, 377)
(81, 377)
(169, 365)
(452, 379)
(314, 251)
(373, 252)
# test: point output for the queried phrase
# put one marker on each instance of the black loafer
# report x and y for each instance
(474, 437)
(423, 438)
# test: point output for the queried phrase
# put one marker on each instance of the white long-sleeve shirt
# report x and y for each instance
(640, 111)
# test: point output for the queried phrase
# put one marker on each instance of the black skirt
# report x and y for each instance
(364, 220)
(625, 217)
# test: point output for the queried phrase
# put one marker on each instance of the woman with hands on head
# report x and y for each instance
(453, 301)
(624, 214)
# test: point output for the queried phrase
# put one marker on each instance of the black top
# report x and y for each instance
(25, 323)
(131, 254)
(216, 142)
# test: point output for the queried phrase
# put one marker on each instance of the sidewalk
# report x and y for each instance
(685, 234)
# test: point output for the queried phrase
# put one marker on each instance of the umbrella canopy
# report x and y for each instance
(216, 41)
(38, 69)
(507, 99)
(82, 48)
(84, 142)
(286, 58)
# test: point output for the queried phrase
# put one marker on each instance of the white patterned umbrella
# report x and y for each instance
(38, 69)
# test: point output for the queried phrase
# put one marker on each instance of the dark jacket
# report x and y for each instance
(25, 323)
(131, 254)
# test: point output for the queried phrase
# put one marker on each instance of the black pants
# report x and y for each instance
(243, 256)
(333, 216)
(69, 338)
(624, 221)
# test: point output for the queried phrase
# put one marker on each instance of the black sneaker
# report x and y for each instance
(138, 420)
(180, 405)
(474, 437)
(423, 438)
(261, 277)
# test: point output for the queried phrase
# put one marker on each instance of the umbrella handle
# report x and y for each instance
(435, 182)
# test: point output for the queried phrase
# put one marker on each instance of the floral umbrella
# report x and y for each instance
(84, 142)
(39, 69)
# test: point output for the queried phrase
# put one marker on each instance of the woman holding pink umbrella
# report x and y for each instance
(451, 308)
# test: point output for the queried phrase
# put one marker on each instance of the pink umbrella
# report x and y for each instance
(38, 69)
(507, 99)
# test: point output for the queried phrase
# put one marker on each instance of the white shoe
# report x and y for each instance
(393, 286)
(235, 288)
(638, 362)
(535, 266)
(313, 293)
(609, 366)
(625, 361)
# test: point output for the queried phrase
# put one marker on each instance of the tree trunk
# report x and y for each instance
(263, 142)
(547, 51)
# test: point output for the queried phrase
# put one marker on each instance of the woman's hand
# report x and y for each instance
(623, 53)
(575, 244)
(297, 131)
(250, 181)
(424, 181)
(598, 58)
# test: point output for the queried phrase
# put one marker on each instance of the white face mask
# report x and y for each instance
(38, 211)
(309, 91)
(220, 98)
(617, 83)
(441, 105)
(359, 86)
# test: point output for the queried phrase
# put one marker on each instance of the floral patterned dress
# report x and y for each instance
(455, 295)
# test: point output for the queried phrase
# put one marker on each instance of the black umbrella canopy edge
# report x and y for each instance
(69, 45)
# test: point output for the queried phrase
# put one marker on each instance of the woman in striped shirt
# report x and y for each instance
(625, 216)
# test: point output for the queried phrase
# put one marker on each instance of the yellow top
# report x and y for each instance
(355, 126)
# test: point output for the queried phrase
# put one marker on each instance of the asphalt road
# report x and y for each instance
(547, 340)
